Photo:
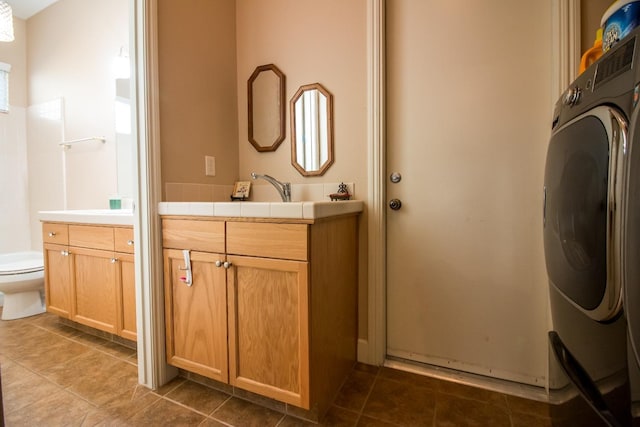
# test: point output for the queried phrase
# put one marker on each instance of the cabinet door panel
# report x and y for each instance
(268, 328)
(58, 285)
(95, 289)
(127, 317)
(196, 315)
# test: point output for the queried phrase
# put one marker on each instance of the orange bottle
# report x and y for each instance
(592, 54)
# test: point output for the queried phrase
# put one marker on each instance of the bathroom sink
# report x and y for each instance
(89, 216)
(292, 210)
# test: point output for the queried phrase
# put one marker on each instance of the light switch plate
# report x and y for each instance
(209, 166)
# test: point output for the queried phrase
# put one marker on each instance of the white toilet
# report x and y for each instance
(22, 283)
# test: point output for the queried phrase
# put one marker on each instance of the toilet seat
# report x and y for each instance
(11, 264)
(7, 270)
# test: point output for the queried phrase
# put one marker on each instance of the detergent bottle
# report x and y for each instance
(593, 53)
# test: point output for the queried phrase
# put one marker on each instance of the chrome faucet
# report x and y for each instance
(284, 188)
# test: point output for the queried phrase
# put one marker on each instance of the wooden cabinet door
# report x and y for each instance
(196, 315)
(127, 297)
(95, 273)
(58, 286)
(269, 328)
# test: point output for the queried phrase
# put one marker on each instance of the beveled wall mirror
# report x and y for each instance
(312, 130)
(266, 92)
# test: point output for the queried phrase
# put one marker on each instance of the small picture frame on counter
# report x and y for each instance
(241, 190)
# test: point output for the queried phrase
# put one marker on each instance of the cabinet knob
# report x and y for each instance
(64, 253)
(130, 242)
(226, 264)
(114, 260)
(52, 234)
(218, 263)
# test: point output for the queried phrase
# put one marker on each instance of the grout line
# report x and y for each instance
(220, 405)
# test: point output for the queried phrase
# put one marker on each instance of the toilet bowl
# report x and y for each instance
(22, 283)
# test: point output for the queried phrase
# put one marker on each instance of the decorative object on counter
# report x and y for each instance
(312, 130)
(342, 194)
(115, 202)
(266, 103)
(241, 191)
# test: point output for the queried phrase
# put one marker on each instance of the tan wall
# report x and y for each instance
(15, 53)
(197, 77)
(323, 42)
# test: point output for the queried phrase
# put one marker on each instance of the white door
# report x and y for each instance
(468, 92)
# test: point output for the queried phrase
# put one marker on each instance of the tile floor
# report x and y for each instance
(54, 375)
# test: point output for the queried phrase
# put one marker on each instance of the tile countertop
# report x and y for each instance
(290, 210)
(90, 216)
(293, 210)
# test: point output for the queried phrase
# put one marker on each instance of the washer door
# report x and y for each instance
(581, 216)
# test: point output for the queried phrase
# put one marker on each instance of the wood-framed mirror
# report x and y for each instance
(311, 110)
(266, 103)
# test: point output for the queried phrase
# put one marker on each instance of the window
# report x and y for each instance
(4, 87)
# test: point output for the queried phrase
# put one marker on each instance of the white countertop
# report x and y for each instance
(90, 216)
(289, 210)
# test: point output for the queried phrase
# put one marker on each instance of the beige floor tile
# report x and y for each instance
(166, 413)
(453, 411)
(242, 413)
(354, 392)
(401, 403)
(198, 397)
(21, 388)
(57, 409)
(72, 370)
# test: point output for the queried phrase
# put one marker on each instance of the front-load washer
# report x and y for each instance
(586, 193)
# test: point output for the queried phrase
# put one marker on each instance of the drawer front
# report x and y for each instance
(123, 239)
(196, 235)
(55, 233)
(269, 240)
(89, 236)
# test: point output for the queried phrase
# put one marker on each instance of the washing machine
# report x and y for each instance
(591, 229)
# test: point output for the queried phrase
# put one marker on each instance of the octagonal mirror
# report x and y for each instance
(266, 102)
(312, 130)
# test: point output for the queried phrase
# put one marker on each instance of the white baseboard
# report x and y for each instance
(363, 351)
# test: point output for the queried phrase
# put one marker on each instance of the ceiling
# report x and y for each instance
(25, 9)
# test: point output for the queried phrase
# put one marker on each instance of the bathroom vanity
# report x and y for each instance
(89, 269)
(272, 300)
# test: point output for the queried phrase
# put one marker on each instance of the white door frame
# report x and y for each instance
(153, 370)
(565, 48)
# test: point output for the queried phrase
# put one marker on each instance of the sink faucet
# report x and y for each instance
(284, 188)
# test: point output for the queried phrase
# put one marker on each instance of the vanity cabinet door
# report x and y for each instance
(269, 327)
(57, 280)
(96, 299)
(196, 315)
(127, 296)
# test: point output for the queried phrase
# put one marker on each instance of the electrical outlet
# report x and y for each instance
(209, 166)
